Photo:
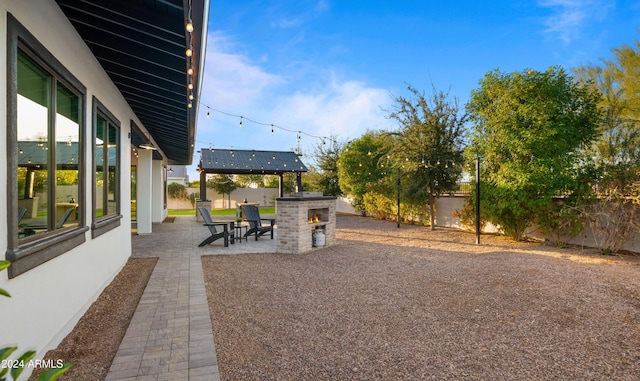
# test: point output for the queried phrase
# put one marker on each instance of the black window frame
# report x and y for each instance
(25, 255)
(105, 223)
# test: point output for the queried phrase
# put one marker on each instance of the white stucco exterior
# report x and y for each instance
(47, 301)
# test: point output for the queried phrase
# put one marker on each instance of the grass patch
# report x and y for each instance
(182, 212)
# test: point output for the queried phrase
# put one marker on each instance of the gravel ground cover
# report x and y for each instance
(94, 341)
(410, 303)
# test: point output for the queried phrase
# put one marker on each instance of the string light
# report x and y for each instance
(273, 126)
(189, 52)
(189, 25)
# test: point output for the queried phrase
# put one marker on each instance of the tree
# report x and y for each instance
(614, 213)
(288, 181)
(249, 181)
(177, 191)
(527, 129)
(619, 133)
(359, 166)
(429, 145)
(326, 155)
(271, 181)
(222, 184)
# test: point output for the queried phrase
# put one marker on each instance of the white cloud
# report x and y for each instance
(570, 17)
(231, 81)
(301, 18)
(315, 102)
(345, 109)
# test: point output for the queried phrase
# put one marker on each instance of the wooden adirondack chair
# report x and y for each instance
(33, 229)
(21, 213)
(226, 233)
(252, 216)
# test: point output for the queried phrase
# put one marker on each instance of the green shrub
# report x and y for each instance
(19, 364)
(193, 197)
(177, 191)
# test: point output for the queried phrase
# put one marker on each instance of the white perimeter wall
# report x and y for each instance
(48, 301)
(263, 196)
(446, 206)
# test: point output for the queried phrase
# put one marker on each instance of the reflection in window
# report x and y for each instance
(134, 181)
(48, 132)
(106, 165)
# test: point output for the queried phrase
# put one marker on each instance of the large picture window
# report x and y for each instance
(106, 131)
(45, 156)
(48, 156)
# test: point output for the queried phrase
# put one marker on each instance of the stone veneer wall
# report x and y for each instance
(294, 230)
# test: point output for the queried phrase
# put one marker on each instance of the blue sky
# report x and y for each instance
(329, 67)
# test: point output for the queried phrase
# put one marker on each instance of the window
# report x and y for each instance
(106, 192)
(45, 155)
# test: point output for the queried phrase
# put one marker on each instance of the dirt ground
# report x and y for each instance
(410, 303)
(94, 341)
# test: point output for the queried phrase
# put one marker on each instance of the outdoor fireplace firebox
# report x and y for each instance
(318, 215)
(300, 217)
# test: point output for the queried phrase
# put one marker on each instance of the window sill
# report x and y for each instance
(32, 254)
(104, 225)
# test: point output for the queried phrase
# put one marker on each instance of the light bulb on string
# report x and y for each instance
(272, 129)
(241, 122)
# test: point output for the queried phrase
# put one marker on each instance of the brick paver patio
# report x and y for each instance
(170, 335)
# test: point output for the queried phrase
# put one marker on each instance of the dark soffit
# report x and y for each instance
(141, 45)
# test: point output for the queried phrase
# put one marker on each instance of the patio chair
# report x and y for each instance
(252, 216)
(32, 229)
(226, 233)
(21, 213)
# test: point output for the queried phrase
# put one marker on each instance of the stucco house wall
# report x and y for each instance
(47, 301)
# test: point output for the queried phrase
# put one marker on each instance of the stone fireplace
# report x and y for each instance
(299, 217)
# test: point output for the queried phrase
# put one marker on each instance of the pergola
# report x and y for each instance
(249, 162)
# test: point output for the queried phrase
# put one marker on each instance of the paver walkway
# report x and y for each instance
(170, 335)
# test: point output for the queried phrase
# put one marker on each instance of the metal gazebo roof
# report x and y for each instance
(249, 162)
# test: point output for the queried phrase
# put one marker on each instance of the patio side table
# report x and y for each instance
(238, 232)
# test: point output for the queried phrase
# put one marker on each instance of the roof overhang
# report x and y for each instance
(141, 44)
